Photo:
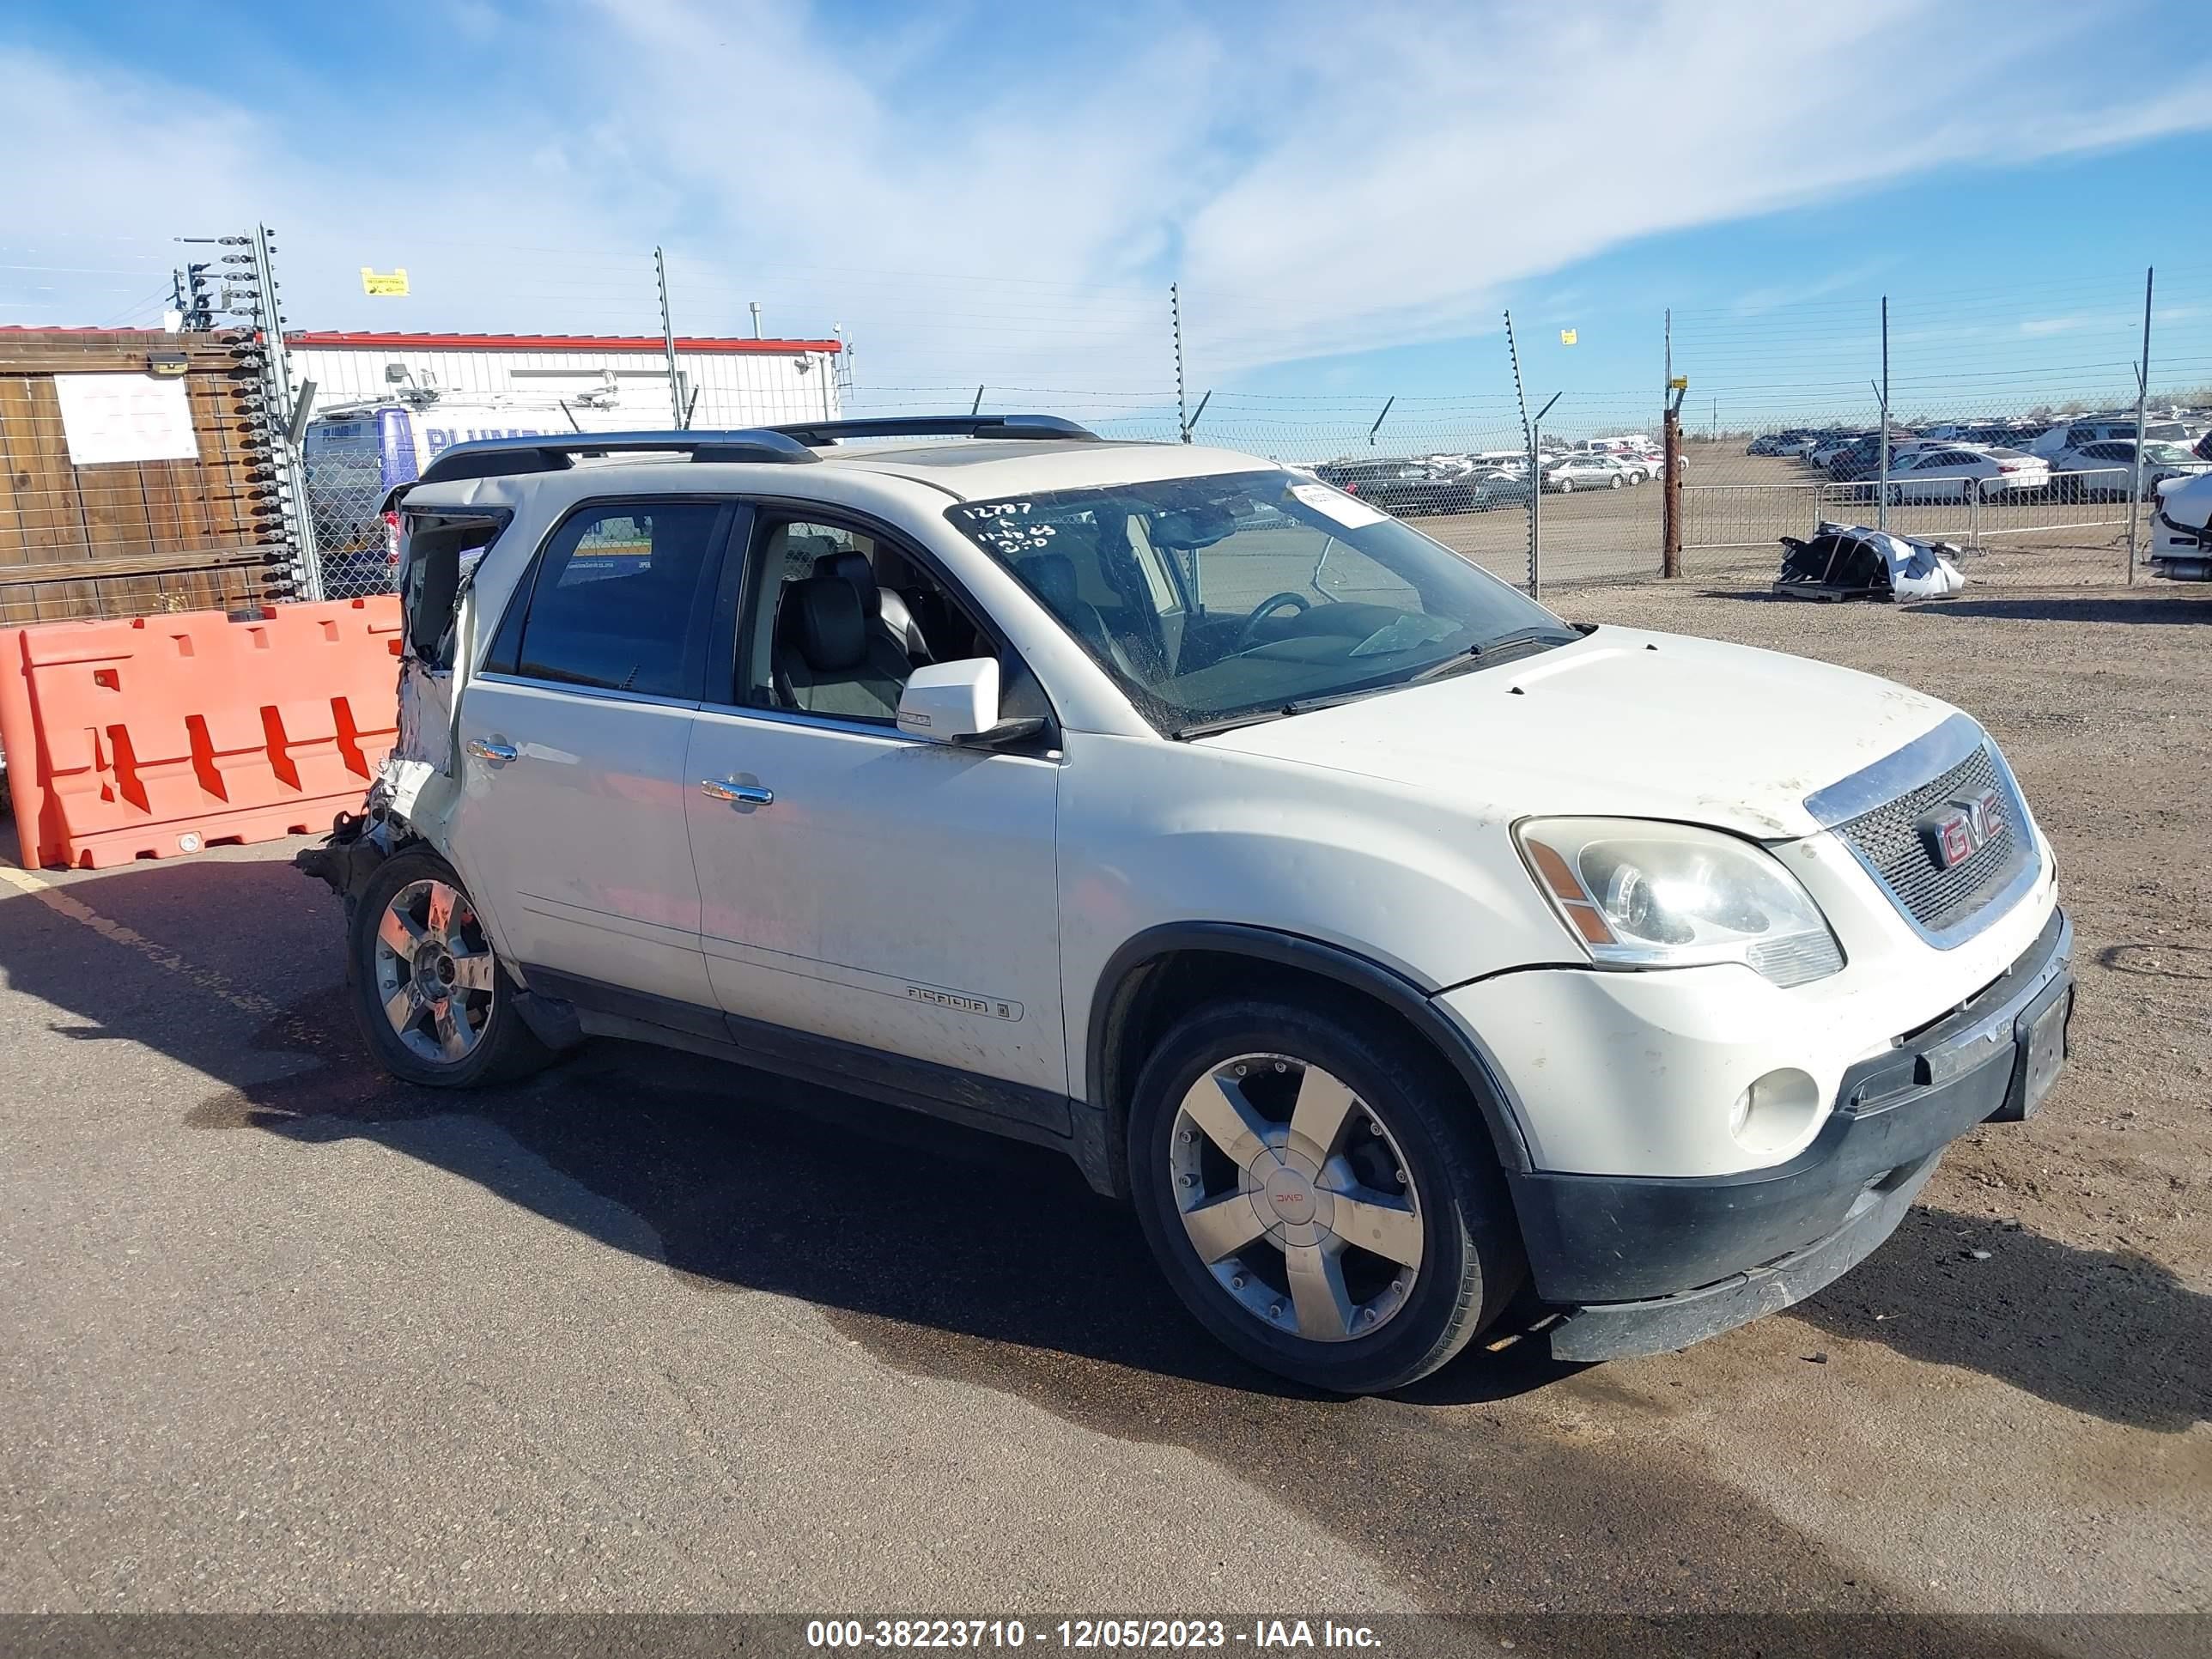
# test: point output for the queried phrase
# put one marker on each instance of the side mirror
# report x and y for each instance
(947, 701)
(958, 702)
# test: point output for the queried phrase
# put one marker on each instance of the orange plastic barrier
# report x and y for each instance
(165, 734)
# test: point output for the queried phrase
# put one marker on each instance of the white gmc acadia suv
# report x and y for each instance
(1387, 941)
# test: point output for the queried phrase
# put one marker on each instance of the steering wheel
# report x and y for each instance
(1265, 609)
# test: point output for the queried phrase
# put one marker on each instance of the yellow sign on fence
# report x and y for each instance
(1566, 337)
(391, 283)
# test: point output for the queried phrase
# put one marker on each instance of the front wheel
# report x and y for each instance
(1566, 487)
(1321, 1194)
(1615, 483)
(426, 984)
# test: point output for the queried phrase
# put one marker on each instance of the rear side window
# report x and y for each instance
(441, 549)
(621, 599)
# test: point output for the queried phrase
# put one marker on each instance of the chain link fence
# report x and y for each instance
(1994, 442)
(2039, 421)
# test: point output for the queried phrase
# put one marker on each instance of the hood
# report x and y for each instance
(1624, 723)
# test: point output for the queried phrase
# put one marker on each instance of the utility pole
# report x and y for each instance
(1175, 321)
(2143, 400)
(189, 297)
(1670, 451)
(276, 377)
(1528, 430)
(668, 338)
(1881, 497)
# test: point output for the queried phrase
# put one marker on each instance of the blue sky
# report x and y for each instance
(1000, 194)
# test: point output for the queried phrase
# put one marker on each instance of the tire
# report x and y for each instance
(1305, 1297)
(1614, 482)
(1567, 486)
(459, 1027)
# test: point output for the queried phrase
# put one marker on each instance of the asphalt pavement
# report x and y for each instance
(651, 1333)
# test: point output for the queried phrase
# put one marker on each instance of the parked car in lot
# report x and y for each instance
(1791, 441)
(1823, 449)
(1405, 488)
(2105, 471)
(1987, 434)
(2104, 428)
(1500, 487)
(1575, 472)
(1956, 472)
(1387, 941)
(1862, 458)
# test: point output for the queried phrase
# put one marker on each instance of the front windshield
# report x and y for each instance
(1243, 594)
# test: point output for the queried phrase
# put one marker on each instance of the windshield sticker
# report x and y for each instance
(1350, 513)
(1005, 528)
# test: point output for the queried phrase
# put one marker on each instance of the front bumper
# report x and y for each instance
(1650, 1264)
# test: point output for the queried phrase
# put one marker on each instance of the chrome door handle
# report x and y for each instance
(492, 751)
(741, 794)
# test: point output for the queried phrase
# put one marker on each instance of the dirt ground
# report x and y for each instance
(1734, 507)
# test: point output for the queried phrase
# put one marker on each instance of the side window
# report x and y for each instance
(620, 600)
(789, 555)
(838, 619)
(442, 549)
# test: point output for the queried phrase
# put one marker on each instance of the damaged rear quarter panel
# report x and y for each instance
(422, 779)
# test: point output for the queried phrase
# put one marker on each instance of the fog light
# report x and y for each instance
(1777, 1111)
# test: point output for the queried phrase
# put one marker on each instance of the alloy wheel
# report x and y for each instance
(433, 971)
(1296, 1198)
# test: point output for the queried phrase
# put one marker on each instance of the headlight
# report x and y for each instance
(1641, 895)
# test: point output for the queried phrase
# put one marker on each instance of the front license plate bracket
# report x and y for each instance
(2040, 1032)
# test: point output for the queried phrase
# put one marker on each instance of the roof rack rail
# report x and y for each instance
(822, 434)
(498, 458)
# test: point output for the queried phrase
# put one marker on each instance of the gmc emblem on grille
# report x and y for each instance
(1956, 831)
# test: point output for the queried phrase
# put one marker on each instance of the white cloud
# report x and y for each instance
(977, 208)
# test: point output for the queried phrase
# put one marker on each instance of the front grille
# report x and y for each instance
(1887, 840)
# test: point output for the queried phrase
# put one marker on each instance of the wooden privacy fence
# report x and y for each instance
(135, 538)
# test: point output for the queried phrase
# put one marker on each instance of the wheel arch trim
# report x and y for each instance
(1124, 973)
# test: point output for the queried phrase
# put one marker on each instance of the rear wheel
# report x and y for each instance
(1567, 486)
(1614, 483)
(432, 1002)
(1321, 1195)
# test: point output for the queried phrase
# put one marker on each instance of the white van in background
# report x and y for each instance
(356, 455)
